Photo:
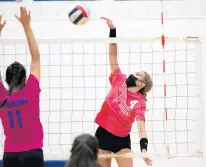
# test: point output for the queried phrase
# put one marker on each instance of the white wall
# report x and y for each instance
(134, 19)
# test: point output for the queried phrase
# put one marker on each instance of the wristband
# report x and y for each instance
(143, 144)
(112, 33)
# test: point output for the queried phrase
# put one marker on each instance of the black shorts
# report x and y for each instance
(110, 142)
(32, 158)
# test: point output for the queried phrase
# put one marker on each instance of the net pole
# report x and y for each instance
(203, 97)
(164, 71)
(198, 79)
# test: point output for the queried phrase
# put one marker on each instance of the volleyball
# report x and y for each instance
(79, 14)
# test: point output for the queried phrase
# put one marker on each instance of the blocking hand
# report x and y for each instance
(2, 24)
(25, 17)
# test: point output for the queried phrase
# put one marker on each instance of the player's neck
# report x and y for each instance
(16, 89)
(134, 89)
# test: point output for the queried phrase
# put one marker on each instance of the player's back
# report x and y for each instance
(20, 118)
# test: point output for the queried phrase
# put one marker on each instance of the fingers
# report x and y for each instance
(21, 11)
(106, 19)
(29, 13)
(16, 17)
(24, 12)
(149, 162)
(0, 18)
(4, 22)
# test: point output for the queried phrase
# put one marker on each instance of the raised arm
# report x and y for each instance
(25, 19)
(2, 24)
(112, 46)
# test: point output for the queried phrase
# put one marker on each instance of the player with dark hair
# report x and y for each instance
(19, 107)
(84, 152)
(124, 104)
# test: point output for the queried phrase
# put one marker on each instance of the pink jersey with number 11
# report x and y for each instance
(121, 107)
(20, 118)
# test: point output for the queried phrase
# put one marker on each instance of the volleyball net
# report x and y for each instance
(74, 84)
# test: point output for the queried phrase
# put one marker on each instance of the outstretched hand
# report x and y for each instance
(147, 161)
(2, 24)
(25, 17)
(109, 22)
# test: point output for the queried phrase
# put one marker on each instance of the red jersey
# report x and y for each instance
(121, 107)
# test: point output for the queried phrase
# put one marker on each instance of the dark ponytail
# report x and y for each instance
(15, 75)
(84, 152)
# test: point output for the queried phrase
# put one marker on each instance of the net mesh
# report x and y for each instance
(74, 84)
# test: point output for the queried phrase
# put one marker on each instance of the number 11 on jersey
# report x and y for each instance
(11, 119)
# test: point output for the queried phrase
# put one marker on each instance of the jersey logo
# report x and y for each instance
(133, 103)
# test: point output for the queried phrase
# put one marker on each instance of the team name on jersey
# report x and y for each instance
(122, 99)
(16, 103)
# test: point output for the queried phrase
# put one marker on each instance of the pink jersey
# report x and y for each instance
(20, 118)
(121, 107)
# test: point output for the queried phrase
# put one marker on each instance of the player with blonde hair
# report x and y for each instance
(125, 103)
(19, 107)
